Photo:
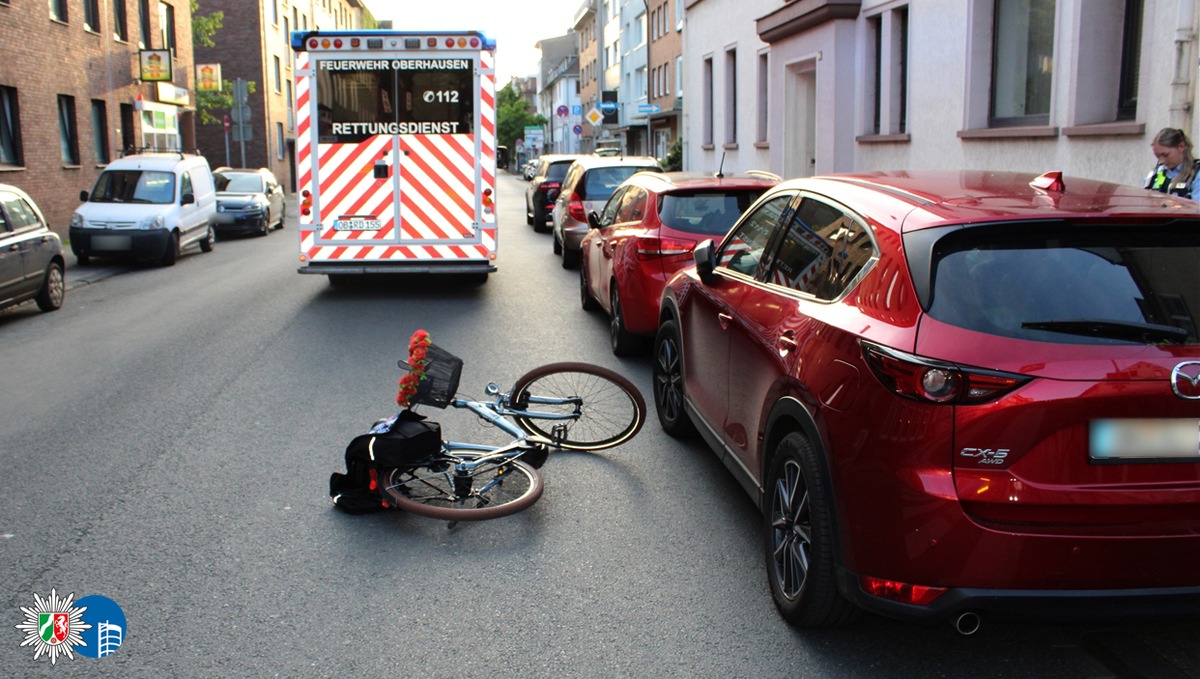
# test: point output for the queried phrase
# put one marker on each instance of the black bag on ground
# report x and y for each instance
(406, 440)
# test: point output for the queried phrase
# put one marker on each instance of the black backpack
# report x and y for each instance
(405, 440)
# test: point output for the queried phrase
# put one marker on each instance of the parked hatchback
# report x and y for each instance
(645, 233)
(544, 187)
(31, 255)
(953, 395)
(147, 207)
(589, 183)
(248, 201)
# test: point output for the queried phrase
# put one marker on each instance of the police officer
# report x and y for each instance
(1177, 172)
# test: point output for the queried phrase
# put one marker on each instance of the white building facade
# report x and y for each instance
(820, 86)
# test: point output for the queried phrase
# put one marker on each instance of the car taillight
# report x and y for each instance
(904, 592)
(931, 381)
(551, 190)
(575, 208)
(650, 247)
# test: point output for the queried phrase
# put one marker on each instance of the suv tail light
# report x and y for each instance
(930, 381)
(903, 592)
(575, 208)
(652, 247)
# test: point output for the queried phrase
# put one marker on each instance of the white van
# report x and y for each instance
(146, 207)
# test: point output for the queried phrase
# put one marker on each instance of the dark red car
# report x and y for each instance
(953, 395)
(645, 233)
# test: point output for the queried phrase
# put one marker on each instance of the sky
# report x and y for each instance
(515, 25)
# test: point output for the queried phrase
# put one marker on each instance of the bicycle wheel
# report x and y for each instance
(605, 409)
(491, 490)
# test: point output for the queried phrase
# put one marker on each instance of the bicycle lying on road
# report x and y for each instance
(559, 406)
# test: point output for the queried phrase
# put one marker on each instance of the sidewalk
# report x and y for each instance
(79, 276)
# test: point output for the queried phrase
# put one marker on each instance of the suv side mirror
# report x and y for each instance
(705, 264)
(593, 220)
(83, 196)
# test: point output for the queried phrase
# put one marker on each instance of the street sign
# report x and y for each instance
(577, 110)
(562, 111)
(227, 123)
(649, 108)
(243, 133)
(607, 106)
(578, 129)
(594, 116)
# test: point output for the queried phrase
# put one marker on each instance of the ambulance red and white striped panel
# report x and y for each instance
(438, 178)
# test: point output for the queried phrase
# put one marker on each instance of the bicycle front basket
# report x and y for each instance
(442, 370)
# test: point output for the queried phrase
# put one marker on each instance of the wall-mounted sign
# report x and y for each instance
(208, 77)
(170, 94)
(155, 65)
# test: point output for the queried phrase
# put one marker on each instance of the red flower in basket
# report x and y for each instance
(418, 350)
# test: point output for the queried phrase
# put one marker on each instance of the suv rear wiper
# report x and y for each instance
(1150, 333)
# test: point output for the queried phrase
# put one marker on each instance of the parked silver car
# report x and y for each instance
(31, 255)
(248, 201)
(589, 182)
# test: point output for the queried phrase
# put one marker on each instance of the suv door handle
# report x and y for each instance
(724, 320)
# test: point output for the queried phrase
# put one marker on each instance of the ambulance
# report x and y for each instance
(396, 152)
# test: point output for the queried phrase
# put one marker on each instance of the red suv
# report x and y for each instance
(646, 233)
(952, 395)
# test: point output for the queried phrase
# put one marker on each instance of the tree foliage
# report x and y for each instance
(204, 27)
(513, 115)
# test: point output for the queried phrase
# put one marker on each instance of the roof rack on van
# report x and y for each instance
(138, 150)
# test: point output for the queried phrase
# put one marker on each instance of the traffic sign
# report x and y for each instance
(607, 106)
(594, 116)
(227, 123)
(578, 129)
(562, 111)
(649, 108)
(577, 110)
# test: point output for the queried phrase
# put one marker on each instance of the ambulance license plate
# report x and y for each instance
(357, 224)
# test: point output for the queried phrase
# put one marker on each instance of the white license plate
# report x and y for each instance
(111, 243)
(357, 225)
(1145, 439)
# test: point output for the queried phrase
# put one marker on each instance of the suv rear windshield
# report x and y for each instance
(134, 186)
(557, 171)
(707, 212)
(1072, 284)
(599, 182)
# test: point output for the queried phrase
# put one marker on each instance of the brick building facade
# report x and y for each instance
(254, 45)
(71, 97)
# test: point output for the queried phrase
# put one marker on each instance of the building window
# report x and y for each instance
(1131, 60)
(731, 95)
(128, 141)
(166, 26)
(706, 104)
(68, 132)
(763, 100)
(889, 93)
(278, 75)
(58, 10)
(279, 141)
(120, 21)
(144, 24)
(274, 12)
(291, 105)
(91, 15)
(10, 128)
(1022, 62)
(679, 76)
(100, 131)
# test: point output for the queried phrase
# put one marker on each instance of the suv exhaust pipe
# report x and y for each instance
(967, 623)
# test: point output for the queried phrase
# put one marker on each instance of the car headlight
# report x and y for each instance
(155, 222)
(76, 221)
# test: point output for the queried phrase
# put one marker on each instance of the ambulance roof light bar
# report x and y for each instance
(389, 40)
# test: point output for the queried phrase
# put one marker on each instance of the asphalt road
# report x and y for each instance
(167, 442)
